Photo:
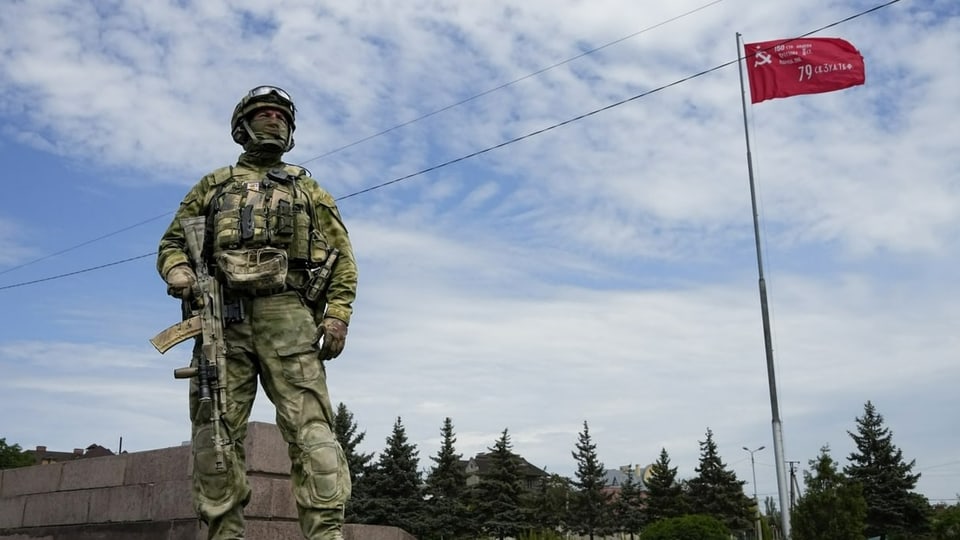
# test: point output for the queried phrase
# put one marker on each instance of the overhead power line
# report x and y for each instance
(497, 146)
(398, 126)
(108, 235)
(68, 274)
(505, 85)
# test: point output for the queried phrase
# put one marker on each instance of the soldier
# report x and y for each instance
(270, 230)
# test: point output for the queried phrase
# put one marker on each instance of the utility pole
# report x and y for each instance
(793, 483)
(756, 501)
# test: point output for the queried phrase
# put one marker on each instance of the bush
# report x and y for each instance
(695, 527)
(540, 535)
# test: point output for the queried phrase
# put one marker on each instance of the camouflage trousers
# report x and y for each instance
(275, 344)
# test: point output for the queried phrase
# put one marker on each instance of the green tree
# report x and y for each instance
(550, 503)
(772, 518)
(395, 495)
(446, 490)
(833, 506)
(350, 438)
(946, 522)
(628, 507)
(892, 509)
(715, 491)
(692, 527)
(12, 456)
(589, 509)
(499, 500)
(665, 498)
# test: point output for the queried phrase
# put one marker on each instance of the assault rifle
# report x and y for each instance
(206, 320)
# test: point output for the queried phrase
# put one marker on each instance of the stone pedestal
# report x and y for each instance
(146, 496)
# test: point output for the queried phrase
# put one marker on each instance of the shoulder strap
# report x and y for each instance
(218, 181)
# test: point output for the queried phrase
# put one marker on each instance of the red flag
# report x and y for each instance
(790, 67)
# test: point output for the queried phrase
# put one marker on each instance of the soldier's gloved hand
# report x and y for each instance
(180, 281)
(333, 332)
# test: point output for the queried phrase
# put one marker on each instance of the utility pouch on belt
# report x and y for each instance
(319, 277)
(255, 271)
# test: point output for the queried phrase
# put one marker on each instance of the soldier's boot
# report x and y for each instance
(227, 527)
(321, 523)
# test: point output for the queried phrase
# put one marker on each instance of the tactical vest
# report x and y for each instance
(273, 212)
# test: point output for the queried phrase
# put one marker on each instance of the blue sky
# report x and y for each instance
(601, 271)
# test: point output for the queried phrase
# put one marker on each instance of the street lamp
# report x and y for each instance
(753, 468)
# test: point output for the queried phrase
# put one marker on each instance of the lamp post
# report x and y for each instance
(756, 502)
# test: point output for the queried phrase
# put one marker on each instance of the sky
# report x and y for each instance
(599, 268)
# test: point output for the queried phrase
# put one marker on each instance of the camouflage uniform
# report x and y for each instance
(275, 340)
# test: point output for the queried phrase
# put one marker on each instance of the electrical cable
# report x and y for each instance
(500, 145)
(404, 124)
(505, 85)
(108, 235)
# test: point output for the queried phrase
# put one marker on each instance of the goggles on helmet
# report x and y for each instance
(267, 90)
(258, 98)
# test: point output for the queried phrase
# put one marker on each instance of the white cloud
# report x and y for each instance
(601, 271)
(14, 244)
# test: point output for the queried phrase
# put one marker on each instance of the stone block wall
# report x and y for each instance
(146, 495)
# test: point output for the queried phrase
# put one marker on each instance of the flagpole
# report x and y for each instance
(765, 313)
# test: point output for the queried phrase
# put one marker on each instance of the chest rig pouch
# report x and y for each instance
(259, 227)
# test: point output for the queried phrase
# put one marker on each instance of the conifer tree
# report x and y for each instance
(665, 498)
(715, 491)
(550, 503)
(395, 494)
(499, 503)
(446, 489)
(589, 511)
(345, 428)
(887, 480)
(629, 515)
(832, 507)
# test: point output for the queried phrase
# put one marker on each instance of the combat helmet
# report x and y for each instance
(258, 98)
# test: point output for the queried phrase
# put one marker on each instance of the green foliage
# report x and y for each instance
(715, 491)
(540, 535)
(946, 522)
(665, 498)
(629, 515)
(589, 511)
(498, 500)
(395, 496)
(833, 506)
(12, 456)
(447, 512)
(550, 502)
(345, 428)
(692, 527)
(772, 520)
(887, 480)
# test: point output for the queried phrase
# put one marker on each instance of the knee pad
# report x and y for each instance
(216, 492)
(325, 479)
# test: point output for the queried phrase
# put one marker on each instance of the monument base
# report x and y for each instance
(146, 496)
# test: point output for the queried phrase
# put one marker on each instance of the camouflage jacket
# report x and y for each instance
(324, 218)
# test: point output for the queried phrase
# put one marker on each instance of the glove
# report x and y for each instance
(180, 281)
(333, 332)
